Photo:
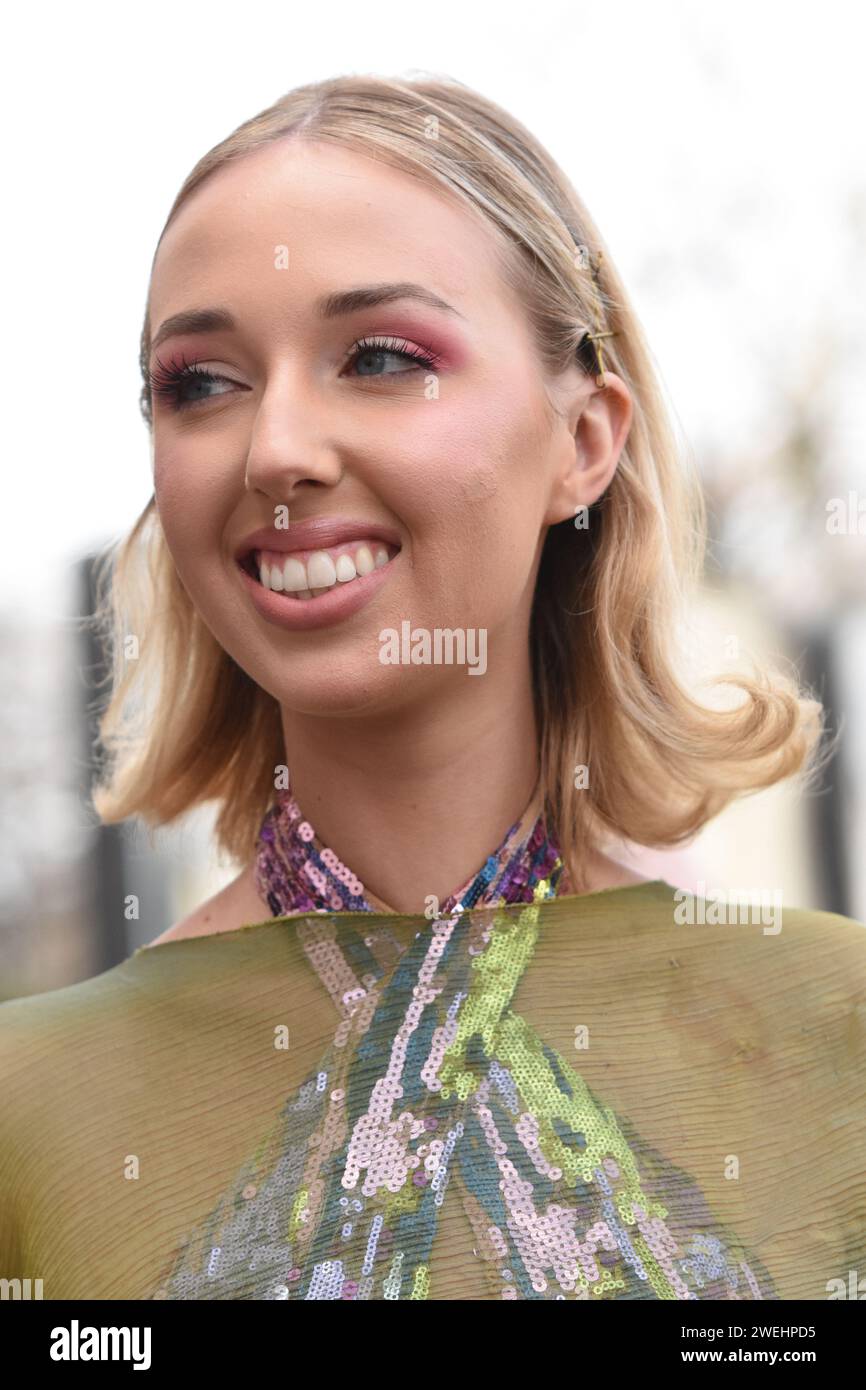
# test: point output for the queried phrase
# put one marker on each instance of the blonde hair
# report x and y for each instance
(185, 725)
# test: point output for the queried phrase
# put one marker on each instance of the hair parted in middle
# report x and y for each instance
(185, 725)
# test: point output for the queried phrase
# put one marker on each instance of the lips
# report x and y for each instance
(317, 572)
(316, 533)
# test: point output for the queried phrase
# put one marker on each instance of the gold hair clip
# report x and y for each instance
(595, 338)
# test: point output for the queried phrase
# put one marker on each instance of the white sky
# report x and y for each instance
(719, 149)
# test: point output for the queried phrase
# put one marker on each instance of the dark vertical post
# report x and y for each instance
(827, 801)
(104, 868)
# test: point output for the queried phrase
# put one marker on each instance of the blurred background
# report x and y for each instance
(719, 149)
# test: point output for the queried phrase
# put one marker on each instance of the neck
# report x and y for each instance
(415, 801)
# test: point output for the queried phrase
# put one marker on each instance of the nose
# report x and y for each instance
(289, 442)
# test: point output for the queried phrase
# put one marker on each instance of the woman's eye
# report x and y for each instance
(371, 362)
(199, 386)
(182, 384)
(370, 358)
(187, 384)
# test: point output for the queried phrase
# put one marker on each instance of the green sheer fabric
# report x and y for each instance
(590, 1089)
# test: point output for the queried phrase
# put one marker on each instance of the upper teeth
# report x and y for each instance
(321, 570)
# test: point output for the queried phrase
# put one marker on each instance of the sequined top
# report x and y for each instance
(296, 873)
(522, 1094)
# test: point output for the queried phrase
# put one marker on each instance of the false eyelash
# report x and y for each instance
(397, 345)
(165, 378)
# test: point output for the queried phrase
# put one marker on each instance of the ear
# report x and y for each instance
(592, 426)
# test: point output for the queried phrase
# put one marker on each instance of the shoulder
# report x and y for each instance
(825, 953)
(801, 971)
(822, 955)
(825, 946)
(40, 1067)
(62, 1040)
(42, 1036)
(236, 905)
(828, 934)
(765, 916)
(794, 967)
(63, 1055)
(824, 963)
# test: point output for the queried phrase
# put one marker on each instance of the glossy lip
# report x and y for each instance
(317, 533)
(324, 610)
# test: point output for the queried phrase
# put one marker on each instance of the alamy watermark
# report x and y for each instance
(444, 646)
(741, 907)
(75, 1343)
(20, 1288)
(846, 516)
(854, 1288)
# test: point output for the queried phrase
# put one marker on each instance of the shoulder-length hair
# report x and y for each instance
(625, 747)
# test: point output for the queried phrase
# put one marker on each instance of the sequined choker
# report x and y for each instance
(296, 873)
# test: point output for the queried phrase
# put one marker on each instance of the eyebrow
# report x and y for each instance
(329, 306)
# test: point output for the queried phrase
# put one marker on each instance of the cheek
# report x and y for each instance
(173, 485)
(190, 498)
(472, 494)
(472, 461)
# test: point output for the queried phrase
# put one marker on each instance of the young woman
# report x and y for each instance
(403, 605)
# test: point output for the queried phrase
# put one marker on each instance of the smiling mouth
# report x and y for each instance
(307, 574)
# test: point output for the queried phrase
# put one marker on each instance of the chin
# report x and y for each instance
(319, 687)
